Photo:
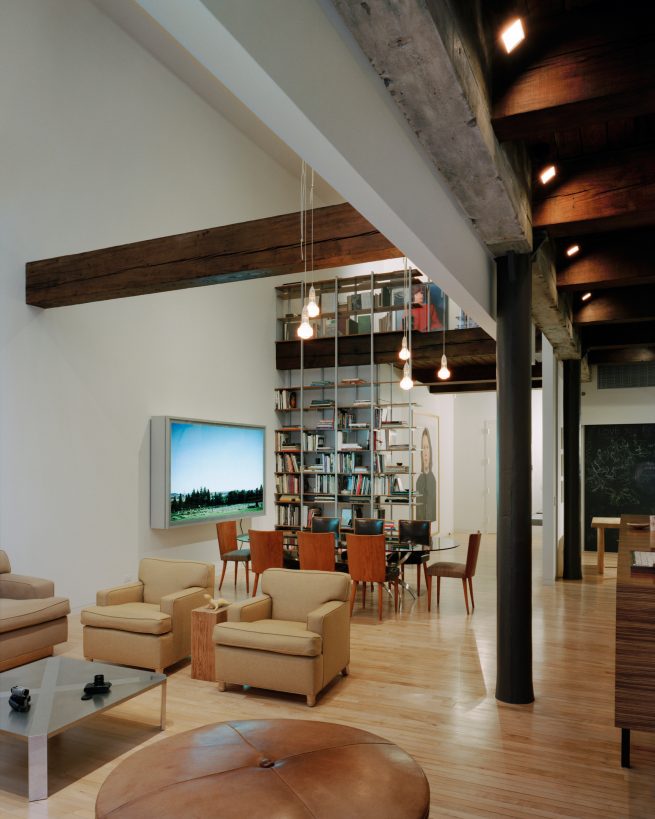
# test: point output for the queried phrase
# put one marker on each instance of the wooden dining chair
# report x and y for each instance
(316, 551)
(266, 552)
(228, 546)
(369, 526)
(465, 571)
(367, 564)
(416, 531)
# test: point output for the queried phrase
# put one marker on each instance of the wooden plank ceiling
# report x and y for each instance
(579, 93)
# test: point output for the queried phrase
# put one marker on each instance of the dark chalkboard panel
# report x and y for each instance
(619, 475)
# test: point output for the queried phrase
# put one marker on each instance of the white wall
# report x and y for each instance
(472, 410)
(628, 406)
(101, 145)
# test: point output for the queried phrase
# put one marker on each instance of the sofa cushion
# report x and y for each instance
(162, 577)
(139, 618)
(296, 593)
(5, 566)
(15, 614)
(276, 636)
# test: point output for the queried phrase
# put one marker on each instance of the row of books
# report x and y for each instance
(287, 484)
(285, 399)
(319, 484)
(287, 462)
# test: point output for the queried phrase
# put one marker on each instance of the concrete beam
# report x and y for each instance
(295, 66)
(432, 70)
(551, 312)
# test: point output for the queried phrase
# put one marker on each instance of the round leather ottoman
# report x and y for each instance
(278, 769)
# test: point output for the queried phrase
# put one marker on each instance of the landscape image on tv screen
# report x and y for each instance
(216, 471)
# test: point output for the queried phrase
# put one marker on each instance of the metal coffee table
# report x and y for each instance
(56, 686)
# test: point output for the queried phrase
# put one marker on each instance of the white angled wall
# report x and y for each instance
(101, 145)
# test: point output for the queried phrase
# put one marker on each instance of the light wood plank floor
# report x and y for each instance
(426, 682)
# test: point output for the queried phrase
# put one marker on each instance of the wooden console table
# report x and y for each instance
(600, 524)
(634, 699)
(203, 621)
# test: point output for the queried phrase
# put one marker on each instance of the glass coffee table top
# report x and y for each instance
(56, 686)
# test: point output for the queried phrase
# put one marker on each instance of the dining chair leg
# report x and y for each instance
(236, 570)
(471, 590)
(254, 588)
(364, 584)
(380, 602)
(438, 589)
(466, 595)
(395, 596)
(222, 574)
(247, 578)
(428, 585)
(353, 592)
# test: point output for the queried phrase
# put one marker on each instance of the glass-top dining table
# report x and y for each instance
(397, 553)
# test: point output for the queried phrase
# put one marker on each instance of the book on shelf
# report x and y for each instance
(289, 499)
(353, 382)
(322, 384)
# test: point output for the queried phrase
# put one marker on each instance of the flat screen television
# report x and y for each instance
(204, 471)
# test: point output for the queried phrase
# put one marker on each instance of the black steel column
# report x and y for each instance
(514, 538)
(572, 508)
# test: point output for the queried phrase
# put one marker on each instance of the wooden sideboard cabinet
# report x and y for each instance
(634, 703)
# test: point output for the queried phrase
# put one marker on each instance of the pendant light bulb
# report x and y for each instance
(305, 330)
(404, 353)
(444, 372)
(406, 382)
(313, 309)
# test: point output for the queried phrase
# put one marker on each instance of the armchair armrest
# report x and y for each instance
(180, 602)
(22, 587)
(128, 593)
(247, 611)
(320, 619)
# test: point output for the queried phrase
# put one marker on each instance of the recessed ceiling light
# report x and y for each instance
(571, 251)
(512, 35)
(586, 297)
(547, 174)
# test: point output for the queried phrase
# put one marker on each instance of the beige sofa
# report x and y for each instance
(32, 619)
(294, 637)
(147, 624)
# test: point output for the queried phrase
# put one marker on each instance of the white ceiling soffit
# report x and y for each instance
(142, 28)
(298, 70)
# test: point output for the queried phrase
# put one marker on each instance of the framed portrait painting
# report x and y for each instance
(426, 467)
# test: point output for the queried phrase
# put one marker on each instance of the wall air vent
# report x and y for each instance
(620, 376)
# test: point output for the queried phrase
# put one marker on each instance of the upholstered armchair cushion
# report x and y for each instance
(19, 586)
(22, 613)
(162, 577)
(277, 636)
(293, 600)
(141, 618)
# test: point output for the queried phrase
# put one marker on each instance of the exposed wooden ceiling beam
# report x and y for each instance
(247, 250)
(465, 374)
(629, 355)
(629, 304)
(595, 67)
(469, 346)
(601, 192)
(620, 259)
(614, 336)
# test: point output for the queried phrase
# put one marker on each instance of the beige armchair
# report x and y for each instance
(32, 619)
(294, 637)
(147, 624)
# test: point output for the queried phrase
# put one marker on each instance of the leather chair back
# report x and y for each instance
(417, 531)
(369, 526)
(266, 550)
(227, 536)
(316, 551)
(321, 524)
(366, 558)
(472, 554)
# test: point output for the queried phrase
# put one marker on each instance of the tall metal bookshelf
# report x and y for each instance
(340, 426)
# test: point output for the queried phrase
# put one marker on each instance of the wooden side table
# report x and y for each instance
(203, 621)
(600, 524)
